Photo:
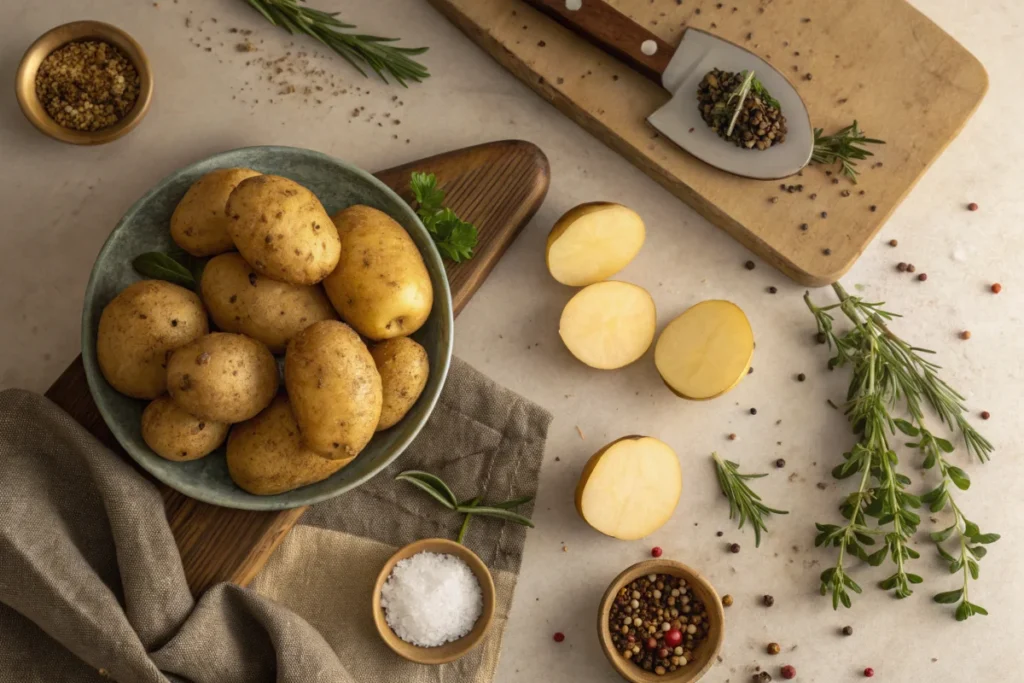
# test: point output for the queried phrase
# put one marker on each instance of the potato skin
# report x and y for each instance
(404, 368)
(334, 387)
(266, 456)
(281, 229)
(176, 435)
(222, 377)
(138, 330)
(199, 224)
(381, 286)
(241, 301)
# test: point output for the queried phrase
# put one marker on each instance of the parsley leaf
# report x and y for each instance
(454, 237)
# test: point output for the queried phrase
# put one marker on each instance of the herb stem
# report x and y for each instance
(465, 523)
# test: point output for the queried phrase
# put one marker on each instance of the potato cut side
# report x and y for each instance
(609, 324)
(706, 351)
(592, 242)
(630, 487)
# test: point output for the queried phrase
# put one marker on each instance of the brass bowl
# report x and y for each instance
(25, 84)
(448, 652)
(706, 652)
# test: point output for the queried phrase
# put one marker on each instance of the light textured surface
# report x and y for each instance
(61, 202)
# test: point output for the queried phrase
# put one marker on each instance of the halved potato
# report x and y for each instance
(592, 242)
(609, 324)
(706, 351)
(630, 488)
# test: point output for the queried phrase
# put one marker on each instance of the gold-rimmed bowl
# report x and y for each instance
(706, 652)
(448, 652)
(32, 107)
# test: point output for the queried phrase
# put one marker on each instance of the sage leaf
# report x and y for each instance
(157, 265)
(949, 597)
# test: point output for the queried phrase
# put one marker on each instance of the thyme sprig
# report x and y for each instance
(357, 49)
(889, 373)
(845, 146)
(744, 504)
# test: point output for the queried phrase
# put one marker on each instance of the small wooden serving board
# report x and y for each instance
(880, 62)
(498, 187)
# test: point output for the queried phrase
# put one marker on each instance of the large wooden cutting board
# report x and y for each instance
(498, 187)
(878, 61)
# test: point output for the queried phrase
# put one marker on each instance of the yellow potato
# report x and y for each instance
(138, 330)
(630, 488)
(266, 455)
(199, 224)
(334, 387)
(176, 435)
(281, 229)
(222, 377)
(608, 325)
(267, 310)
(706, 351)
(592, 242)
(381, 286)
(404, 368)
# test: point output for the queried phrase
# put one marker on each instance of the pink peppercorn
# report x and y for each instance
(869, 672)
(972, 207)
(996, 288)
(673, 637)
(656, 551)
(559, 637)
(788, 672)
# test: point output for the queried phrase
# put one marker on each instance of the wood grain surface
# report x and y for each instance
(880, 62)
(496, 186)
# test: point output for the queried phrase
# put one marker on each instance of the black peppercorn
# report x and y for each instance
(821, 337)
(847, 630)
(768, 601)
(734, 548)
(772, 290)
(749, 265)
(753, 411)
(804, 226)
(780, 463)
(824, 214)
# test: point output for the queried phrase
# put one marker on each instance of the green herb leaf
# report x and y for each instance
(160, 266)
(940, 536)
(454, 237)
(949, 597)
(978, 609)
(744, 504)
(959, 477)
(432, 485)
(500, 513)
(845, 147)
(514, 503)
(985, 538)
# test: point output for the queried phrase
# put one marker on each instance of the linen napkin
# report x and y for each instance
(92, 588)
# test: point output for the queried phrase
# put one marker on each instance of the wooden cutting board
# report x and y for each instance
(878, 61)
(498, 187)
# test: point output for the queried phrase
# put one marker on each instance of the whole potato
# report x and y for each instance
(381, 286)
(269, 311)
(176, 435)
(139, 328)
(222, 377)
(199, 224)
(404, 367)
(334, 387)
(266, 455)
(282, 230)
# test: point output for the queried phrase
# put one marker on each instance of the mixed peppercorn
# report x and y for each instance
(759, 124)
(656, 622)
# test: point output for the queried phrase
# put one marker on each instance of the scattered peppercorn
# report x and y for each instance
(972, 207)
(780, 463)
(762, 677)
(821, 337)
(814, 195)
(847, 630)
(719, 533)
(801, 377)
(826, 251)
(774, 200)
(734, 548)
(835, 181)
(772, 290)
(559, 637)
(922, 277)
(732, 437)
(774, 649)
(996, 288)
(804, 226)
(750, 370)
(966, 334)
(893, 243)
(902, 267)
(873, 207)
(749, 265)
(911, 268)
(869, 672)
(753, 411)
(985, 415)
(768, 601)
(727, 601)
(87, 85)
(656, 551)
(788, 672)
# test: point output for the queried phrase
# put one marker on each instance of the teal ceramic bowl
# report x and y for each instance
(146, 228)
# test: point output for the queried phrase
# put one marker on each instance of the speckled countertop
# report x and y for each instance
(59, 204)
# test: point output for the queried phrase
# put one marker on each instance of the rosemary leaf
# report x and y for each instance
(845, 147)
(432, 485)
(744, 504)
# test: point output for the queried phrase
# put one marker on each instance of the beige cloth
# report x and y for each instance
(92, 588)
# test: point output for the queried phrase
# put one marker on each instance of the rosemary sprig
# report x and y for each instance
(889, 373)
(357, 49)
(743, 502)
(435, 487)
(846, 147)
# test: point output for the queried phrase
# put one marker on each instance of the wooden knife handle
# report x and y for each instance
(611, 31)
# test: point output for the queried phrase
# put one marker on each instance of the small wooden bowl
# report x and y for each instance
(25, 83)
(457, 648)
(706, 652)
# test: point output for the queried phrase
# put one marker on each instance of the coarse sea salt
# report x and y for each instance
(431, 599)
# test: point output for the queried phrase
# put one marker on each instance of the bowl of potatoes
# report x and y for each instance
(289, 339)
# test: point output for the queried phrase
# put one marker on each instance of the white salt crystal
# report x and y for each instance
(431, 599)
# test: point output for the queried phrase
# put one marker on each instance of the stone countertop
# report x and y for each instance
(60, 203)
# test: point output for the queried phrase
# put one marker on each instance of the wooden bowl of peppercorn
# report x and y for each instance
(85, 83)
(691, 609)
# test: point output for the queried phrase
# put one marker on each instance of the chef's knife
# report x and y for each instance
(679, 70)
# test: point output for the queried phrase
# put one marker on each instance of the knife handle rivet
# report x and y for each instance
(648, 47)
(573, 5)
